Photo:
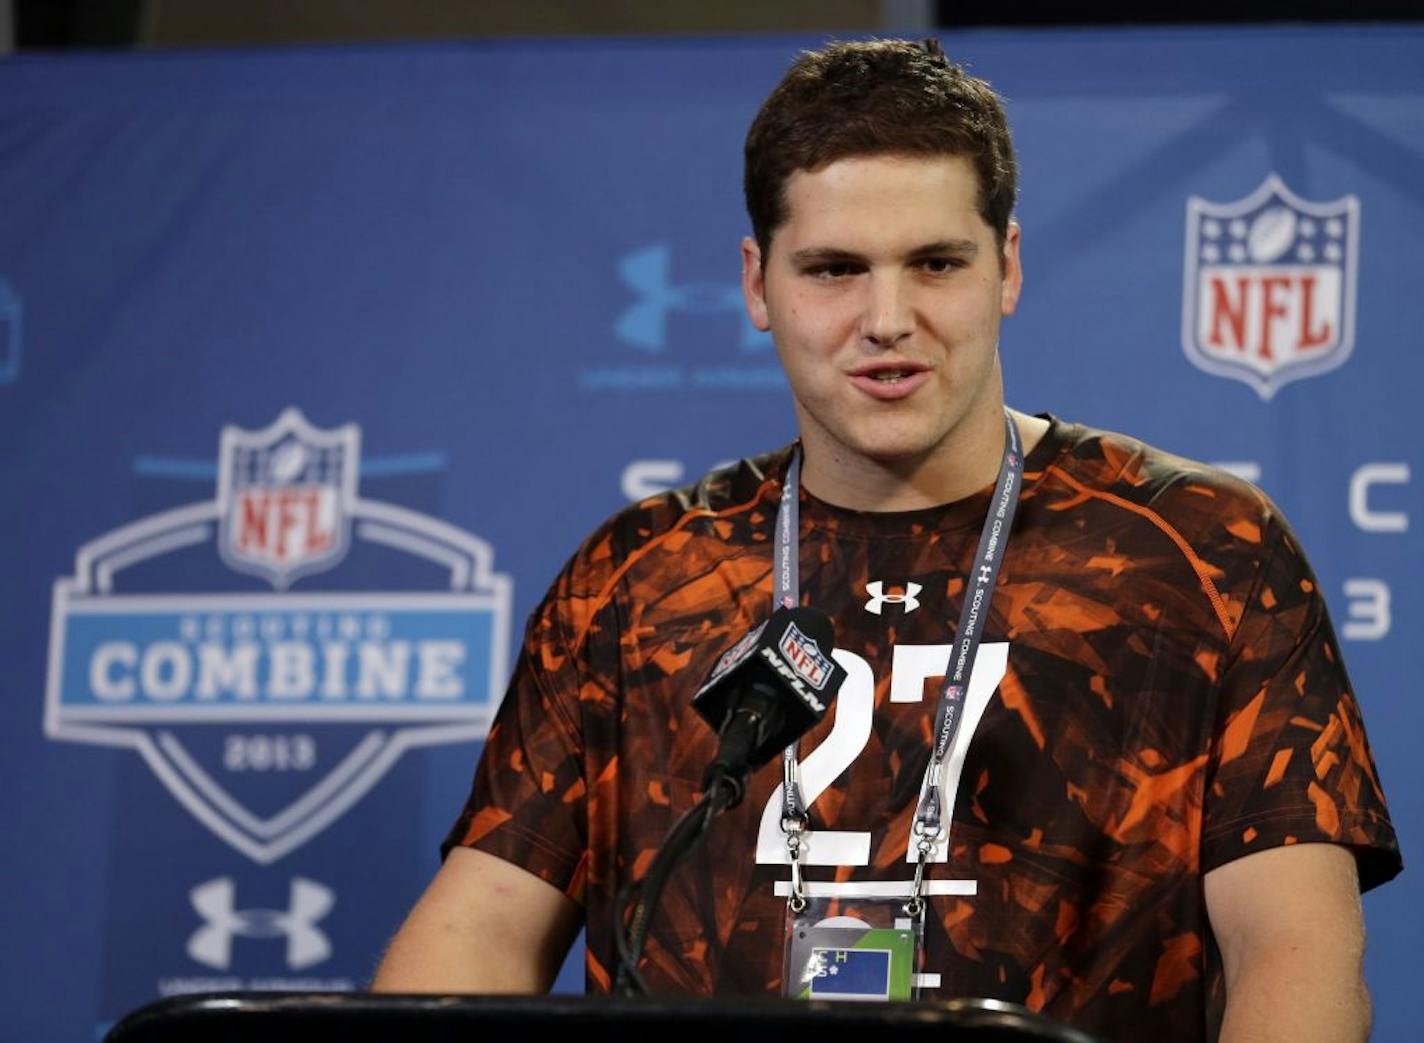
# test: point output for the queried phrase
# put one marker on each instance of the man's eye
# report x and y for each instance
(941, 265)
(832, 270)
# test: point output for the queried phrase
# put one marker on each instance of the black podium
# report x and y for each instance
(274, 1017)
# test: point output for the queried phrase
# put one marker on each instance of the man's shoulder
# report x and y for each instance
(1187, 493)
(1172, 510)
(1175, 519)
(736, 492)
(729, 489)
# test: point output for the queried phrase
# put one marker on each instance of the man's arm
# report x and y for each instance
(483, 925)
(1292, 939)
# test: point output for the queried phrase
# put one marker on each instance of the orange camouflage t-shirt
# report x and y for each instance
(1159, 692)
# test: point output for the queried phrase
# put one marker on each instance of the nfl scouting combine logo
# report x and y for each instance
(268, 713)
(1269, 294)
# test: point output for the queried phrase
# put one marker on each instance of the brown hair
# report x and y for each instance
(876, 97)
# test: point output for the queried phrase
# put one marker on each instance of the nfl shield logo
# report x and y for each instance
(1269, 294)
(805, 657)
(285, 496)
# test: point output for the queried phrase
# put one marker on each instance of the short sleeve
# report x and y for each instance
(1290, 762)
(528, 802)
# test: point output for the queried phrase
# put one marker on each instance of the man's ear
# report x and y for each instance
(1013, 271)
(754, 284)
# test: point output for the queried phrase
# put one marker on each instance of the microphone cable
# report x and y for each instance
(630, 931)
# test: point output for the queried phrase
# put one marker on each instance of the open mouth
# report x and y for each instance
(890, 382)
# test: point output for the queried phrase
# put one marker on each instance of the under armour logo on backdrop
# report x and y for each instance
(648, 273)
(306, 944)
(879, 599)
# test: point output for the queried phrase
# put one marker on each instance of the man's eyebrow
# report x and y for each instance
(832, 255)
(960, 247)
(823, 255)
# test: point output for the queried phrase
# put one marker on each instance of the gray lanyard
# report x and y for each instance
(993, 542)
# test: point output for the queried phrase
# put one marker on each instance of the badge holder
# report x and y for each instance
(862, 948)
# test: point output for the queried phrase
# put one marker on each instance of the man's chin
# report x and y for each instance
(895, 455)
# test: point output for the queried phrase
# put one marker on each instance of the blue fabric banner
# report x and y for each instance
(315, 366)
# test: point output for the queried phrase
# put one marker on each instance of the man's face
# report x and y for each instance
(884, 290)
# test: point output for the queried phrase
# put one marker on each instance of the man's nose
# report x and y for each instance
(888, 317)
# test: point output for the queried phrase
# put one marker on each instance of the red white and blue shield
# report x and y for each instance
(285, 495)
(1269, 289)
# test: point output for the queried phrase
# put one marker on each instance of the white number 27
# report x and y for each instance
(854, 708)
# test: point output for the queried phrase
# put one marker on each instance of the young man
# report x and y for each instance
(1159, 804)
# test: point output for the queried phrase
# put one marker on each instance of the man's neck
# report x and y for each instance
(939, 478)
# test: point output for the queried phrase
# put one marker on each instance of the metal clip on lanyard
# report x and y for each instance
(993, 541)
(794, 827)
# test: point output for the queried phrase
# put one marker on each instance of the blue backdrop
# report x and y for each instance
(315, 365)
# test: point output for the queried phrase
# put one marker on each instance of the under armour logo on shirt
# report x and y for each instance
(879, 599)
(306, 944)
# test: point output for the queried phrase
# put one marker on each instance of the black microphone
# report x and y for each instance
(768, 690)
(765, 692)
